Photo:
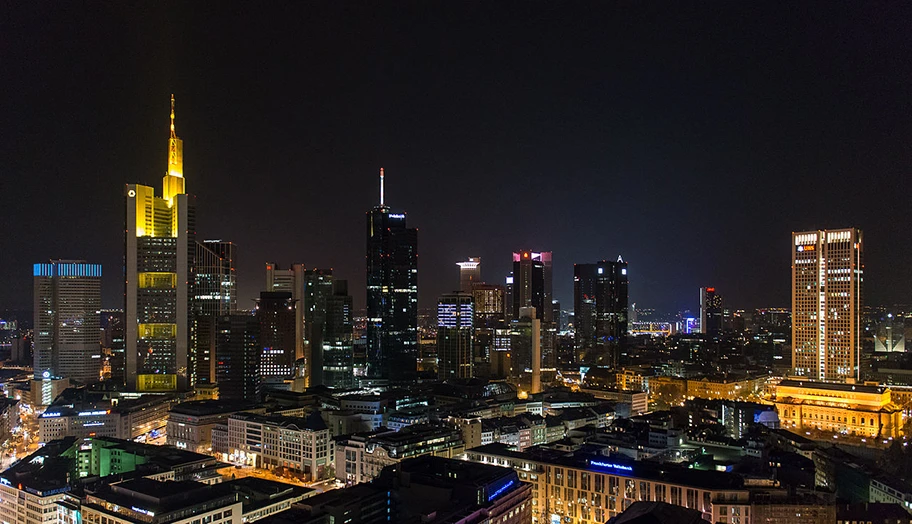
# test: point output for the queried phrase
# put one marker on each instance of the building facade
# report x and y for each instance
(304, 445)
(392, 293)
(160, 241)
(67, 320)
(854, 409)
(361, 457)
(276, 313)
(455, 336)
(214, 293)
(237, 356)
(827, 286)
(469, 274)
(338, 338)
(710, 311)
(532, 284)
(582, 489)
(600, 303)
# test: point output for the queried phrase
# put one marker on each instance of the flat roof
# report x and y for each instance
(621, 466)
(200, 408)
(832, 386)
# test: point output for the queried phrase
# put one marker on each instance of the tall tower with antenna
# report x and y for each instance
(160, 244)
(392, 293)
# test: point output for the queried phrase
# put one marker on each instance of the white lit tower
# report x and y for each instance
(827, 284)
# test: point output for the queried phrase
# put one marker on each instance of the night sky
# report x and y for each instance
(690, 140)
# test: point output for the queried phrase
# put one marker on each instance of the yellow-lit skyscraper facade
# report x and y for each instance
(160, 242)
(827, 283)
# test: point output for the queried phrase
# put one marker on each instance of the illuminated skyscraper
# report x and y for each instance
(214, 294)
(67, 320)
(469, 274)
(338, 339)
(160, 241)
(455, 333)
(214, 278)
(827, 284)
(532, 283)
(600, 310)
(710, 311)
(392, 293)
(290, 281)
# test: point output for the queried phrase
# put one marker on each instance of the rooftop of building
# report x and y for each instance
(313, 422)
(871, 512)
(162, 497)
(44, 471)
(202, 408)
(658, 513)
(80, 399)
(255, 492)
(167, 456)
(833, 386)
(622, 466)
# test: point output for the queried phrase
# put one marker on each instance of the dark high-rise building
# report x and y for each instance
(67, 322)
(214, 293)
(455, 334)
(338, 341)
(392, 293)
(489, 317)
(237, 356)
(600, 306)
(469, 274)
(112, 342)
(532, 283)
(508, 297)
(318, 287)
(489, 305)
(275, 312)
(710, 311)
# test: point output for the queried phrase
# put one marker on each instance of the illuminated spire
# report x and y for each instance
(381, 186)
(172, 116)
(174, 178)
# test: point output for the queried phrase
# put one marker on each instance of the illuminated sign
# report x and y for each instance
(92, 413)
(500, 491)
(5, 481)
(806, 248)
(610, 465)
(143, 511)
(46, 374)
(50, 415)
(397, 216)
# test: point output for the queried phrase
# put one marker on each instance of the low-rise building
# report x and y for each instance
(304, 445)
(361, 457)
(864, 410)
(581, 488)
(190, 423)
(81, 413)
(31, 489)
(430, 490)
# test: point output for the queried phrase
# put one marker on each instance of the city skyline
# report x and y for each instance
(669, 146)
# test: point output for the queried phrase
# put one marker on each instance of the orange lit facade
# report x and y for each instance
(827, 279)
(851, 409)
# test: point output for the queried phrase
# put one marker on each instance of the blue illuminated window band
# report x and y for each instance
(67, 270)
(500, 491)
(610, 465)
